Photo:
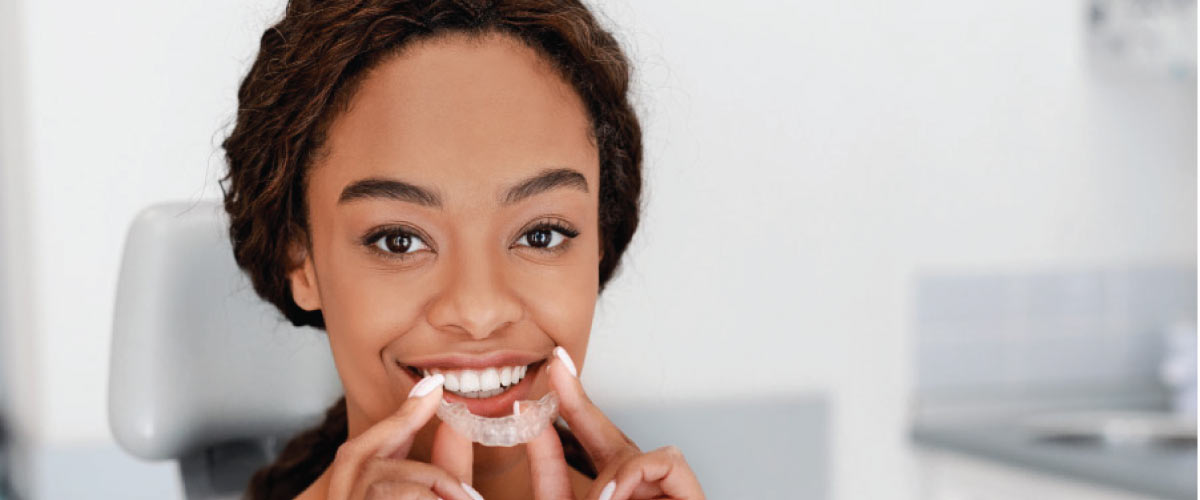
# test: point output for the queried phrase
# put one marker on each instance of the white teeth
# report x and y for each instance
(489, 380)
(483, 383)
(468, 381)
(483, 394)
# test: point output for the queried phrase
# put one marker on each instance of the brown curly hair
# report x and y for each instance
(306, 71)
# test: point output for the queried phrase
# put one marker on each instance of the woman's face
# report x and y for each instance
(453, 224)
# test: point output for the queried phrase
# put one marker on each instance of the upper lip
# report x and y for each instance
(474, 361)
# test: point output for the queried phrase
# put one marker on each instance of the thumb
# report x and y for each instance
(548, 466)
(453, 452)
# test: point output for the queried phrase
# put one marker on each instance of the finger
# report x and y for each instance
(548, 467)
(393, 490)
(453, 452)
(662, 472)
(390, 437)
(426, 476)
(603, 441)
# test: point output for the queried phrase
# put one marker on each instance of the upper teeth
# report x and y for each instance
(479, 383)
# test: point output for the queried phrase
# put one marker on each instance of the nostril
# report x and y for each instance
(478, 311)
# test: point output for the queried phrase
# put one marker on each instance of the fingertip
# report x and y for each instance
(427, 385)
(607, 492)
(560, 374)
(567, 362)
(396, 431)
(570, 390)
(471, 491)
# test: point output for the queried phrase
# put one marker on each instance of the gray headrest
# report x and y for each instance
(197, 357)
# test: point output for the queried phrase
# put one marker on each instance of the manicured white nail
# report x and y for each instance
(608, 490)
(566, 359)
(516, 407)
(471, 491)
(426, 385)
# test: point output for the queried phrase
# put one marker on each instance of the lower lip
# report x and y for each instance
(500, 405)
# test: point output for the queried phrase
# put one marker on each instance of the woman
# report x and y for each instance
(443, 187)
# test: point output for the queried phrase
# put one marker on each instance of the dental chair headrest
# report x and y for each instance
(197, 358)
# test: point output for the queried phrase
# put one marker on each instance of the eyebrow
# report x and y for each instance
(395, 189)
(545, 181)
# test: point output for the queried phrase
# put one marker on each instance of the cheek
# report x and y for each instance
(561, 300)
(379, 305)
(365, 310)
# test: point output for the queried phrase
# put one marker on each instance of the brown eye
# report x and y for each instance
(540, 238)
(546, 237)
(399, 243)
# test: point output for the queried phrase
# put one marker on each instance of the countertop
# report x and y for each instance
(1162, 470)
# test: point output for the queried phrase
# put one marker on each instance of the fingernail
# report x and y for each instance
(426, 385)
(566, 359)
(607, 492)
(471, 491)
(516, 407)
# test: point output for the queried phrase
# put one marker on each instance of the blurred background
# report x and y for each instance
(939, 249)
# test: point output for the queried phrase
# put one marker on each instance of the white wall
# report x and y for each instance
(806, 159)
(803, 159)
(123, 106)
(19, 389)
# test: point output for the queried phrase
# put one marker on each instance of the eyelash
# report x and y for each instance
(372, 238)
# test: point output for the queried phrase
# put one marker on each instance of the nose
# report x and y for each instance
(476, 297)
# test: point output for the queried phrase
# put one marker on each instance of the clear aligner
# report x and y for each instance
(511, 430)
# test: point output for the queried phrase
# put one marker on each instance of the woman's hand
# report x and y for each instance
(624, 471)
(374, 464)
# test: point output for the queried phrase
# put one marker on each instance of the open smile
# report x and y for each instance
(488, 387)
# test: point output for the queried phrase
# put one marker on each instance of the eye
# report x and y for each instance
(397, 242)
(547, 237)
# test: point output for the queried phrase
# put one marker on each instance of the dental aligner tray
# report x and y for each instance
(511, 430)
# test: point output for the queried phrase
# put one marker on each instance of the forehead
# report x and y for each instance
(464, 114)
